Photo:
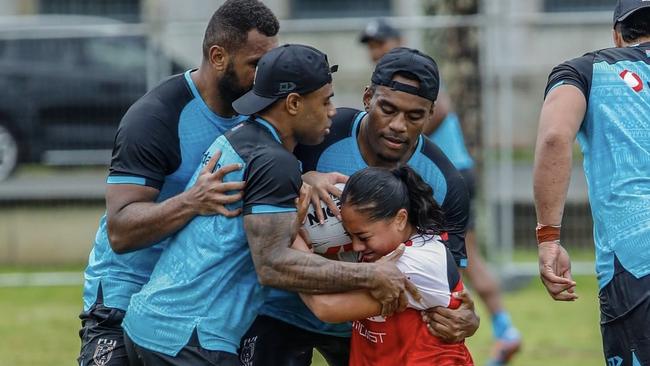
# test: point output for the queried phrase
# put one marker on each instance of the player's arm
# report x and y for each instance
(145, 152)
(560, 119)
(135, 220)
(338, 307)
(278, 265)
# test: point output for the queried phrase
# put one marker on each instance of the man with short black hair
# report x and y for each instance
(214, 274)
(603, 98)
(160, 141)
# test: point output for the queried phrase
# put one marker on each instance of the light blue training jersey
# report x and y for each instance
(159, 143)
(205, 280)
(615, 140)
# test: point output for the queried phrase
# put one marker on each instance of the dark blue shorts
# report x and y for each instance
(625, 318)
(102, 337)
(191, 355)
(271, 342)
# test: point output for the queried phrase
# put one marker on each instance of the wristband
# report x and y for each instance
(546, 233)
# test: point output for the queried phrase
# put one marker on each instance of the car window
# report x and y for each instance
(128, 54)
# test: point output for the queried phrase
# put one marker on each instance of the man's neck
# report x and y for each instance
(286, 136)
(636, 42)
(206, 84)
(372, 159)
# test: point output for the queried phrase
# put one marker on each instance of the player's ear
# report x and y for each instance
(617, 37)
(293, 103)
(218, 57)
(401, 219)
(432, 109)
(367, 96)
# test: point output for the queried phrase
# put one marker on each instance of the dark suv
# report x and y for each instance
(62, 97)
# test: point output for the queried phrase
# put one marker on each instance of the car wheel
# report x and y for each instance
(8, 152)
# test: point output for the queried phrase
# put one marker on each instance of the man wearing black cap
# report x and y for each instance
(398, 102)
(603, 98)
(211, 279)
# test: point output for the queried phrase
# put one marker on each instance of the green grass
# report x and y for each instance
(39, 326)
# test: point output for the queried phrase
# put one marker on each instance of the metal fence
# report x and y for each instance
(105, 66)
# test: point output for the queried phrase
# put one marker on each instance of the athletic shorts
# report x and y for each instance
(469, 176)
(271, 342)
(102, 337)
(192, 354)
(625, 318)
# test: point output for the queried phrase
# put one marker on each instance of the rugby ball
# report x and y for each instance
(329, 239)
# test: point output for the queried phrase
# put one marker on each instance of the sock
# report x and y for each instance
(500, 324)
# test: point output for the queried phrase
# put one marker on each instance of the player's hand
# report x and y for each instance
(555, 271)
(302, 206)
(453, 325)
(208, 194)
(391, 284)
(302, 203)
(323, 184)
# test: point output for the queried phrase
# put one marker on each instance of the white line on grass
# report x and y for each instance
(40, 279)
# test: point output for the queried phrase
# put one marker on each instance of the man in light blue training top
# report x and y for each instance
(603, 98)
(212, 278)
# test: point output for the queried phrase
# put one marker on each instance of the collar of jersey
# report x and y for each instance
(204, 107)
(355, 134)
(269, 127)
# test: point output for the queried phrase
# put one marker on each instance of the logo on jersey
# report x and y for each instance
(373, 337)
(632, 80)
(104, 351)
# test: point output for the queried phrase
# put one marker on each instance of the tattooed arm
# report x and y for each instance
(277, 265)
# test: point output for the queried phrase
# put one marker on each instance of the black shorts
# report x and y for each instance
(469, 176)
(102, 337)
(625, 318)
(271, 342)
(192, 354)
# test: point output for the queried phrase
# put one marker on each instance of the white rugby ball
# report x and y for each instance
(329, 239)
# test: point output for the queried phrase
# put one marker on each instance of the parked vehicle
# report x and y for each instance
(62, 97)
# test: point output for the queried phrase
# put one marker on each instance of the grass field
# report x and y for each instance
(39, 326)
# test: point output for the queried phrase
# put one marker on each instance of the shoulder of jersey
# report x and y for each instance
(342, 122)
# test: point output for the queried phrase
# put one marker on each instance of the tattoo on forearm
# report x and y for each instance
(277, 265)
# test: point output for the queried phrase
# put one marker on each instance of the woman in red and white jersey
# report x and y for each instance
(381, 209)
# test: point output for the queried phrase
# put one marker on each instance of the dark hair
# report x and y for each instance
(230, 24)
(635, 26)
(380, 193)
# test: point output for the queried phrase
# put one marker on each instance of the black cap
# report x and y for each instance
(380, 30)
(409, 60)
(626, 7)
(291, 68)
